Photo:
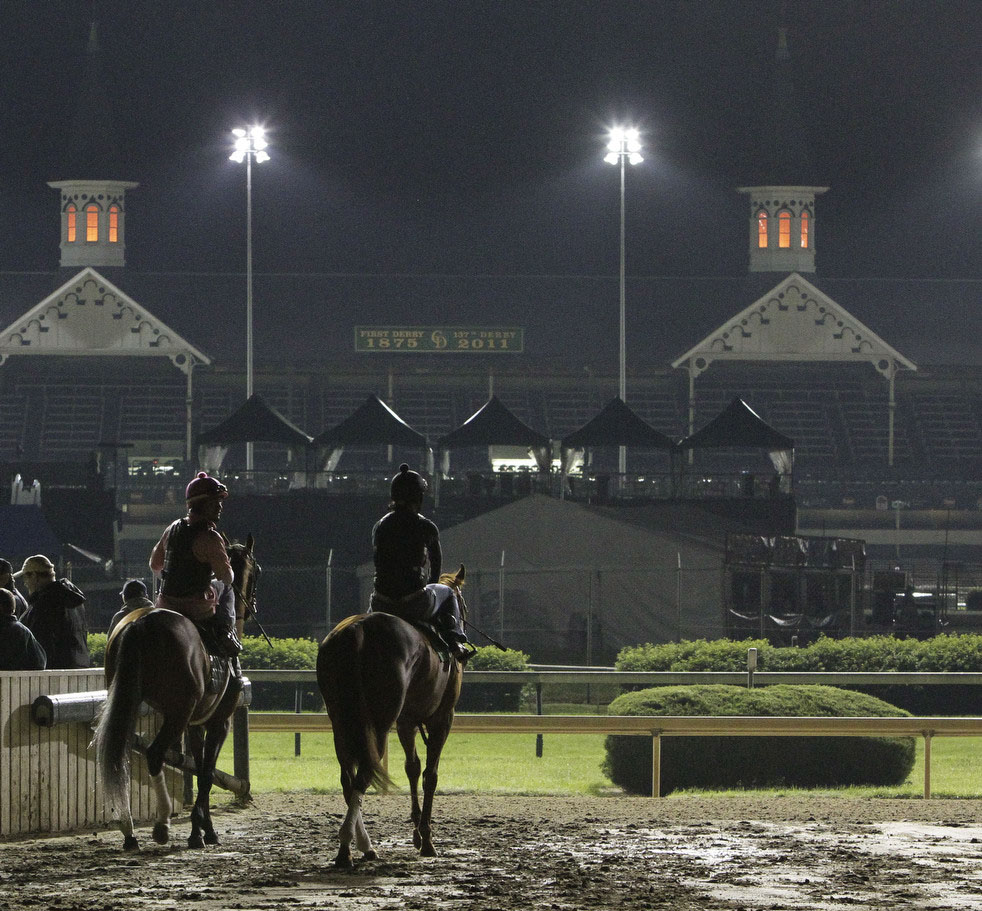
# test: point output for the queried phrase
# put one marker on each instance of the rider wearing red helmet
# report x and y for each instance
(193, 562)
(406, 549)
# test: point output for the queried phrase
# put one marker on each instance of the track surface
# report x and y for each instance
(514, 853)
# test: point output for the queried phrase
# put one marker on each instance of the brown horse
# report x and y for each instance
(375, 670)
(159, 658)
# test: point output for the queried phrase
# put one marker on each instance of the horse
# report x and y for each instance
(375, 670)
(158, 657)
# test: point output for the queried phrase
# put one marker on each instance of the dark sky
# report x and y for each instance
(466, 136)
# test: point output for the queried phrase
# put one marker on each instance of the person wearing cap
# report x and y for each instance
(192, 560)
(55, 614)
(407, 554)
(19, 650)
(134, 595)
(7, 582)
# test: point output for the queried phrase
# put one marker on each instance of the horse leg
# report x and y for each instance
(407, 737)
(169, 735)
(206, 759)
(434, 747)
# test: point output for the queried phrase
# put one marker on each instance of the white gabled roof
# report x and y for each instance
(90, 316)
(795, 321)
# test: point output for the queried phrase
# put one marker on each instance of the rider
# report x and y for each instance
(192, 559)
(406, 547)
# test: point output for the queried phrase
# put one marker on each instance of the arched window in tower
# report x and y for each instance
(784, 230)
(805, 227)
(762, 229)
(114, 224)
(92, 223)
(72, 223)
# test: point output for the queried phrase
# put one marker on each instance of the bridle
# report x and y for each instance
(247, 593)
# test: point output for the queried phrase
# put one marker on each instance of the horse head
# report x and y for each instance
(247, 571)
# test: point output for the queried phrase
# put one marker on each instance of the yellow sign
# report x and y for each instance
(440, 339)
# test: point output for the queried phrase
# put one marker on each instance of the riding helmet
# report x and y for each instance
(204, 486)
(408, 486)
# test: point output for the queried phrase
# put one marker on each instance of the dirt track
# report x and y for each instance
(520, 853)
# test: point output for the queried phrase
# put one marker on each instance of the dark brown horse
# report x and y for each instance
(158, 658)
(376, 670)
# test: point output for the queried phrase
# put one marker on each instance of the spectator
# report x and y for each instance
(7, 582)
(134, 595)
(19, 650)
(56, 614)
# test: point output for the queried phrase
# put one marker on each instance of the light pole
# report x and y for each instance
(623, 148)
(249, 144)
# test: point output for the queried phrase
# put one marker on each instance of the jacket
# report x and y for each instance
(19, 650)
(56, 616)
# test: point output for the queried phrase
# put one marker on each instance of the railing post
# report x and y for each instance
(656, 764)
(927, 764)
(751, 667)
(538, 711)
(298, 707)
(240, 743)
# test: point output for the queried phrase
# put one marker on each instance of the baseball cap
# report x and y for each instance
(39, 564)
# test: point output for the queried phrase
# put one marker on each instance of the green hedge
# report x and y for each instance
(301, 654)
(735, 762)
(493, 697)
(876, 653)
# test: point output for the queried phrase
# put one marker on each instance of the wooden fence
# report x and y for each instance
(48, 780)
(658, 726)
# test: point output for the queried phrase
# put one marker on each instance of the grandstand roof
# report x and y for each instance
(794, 321)
(308, 319)
(89, 315)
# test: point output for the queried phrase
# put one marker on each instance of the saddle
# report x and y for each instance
(420, 609)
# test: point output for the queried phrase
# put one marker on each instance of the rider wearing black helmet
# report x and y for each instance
(406, 548)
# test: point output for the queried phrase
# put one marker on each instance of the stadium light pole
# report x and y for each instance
(623, 148)
(250, 144)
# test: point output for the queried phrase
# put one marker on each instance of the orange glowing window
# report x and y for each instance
(762, 229)
(784, 229)
(113, 224)
(804, 230)
(92, 223)
(72, 224)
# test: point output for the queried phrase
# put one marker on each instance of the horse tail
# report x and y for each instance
(117, 718)
(352, 715)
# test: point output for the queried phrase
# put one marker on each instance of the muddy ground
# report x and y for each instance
(524, 853)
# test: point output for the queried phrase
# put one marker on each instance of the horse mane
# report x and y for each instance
(344, 624)
(454, 580)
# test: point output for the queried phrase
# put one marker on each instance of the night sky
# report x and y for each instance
(466, 136)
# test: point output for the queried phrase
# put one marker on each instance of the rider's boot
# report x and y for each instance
(226, 640)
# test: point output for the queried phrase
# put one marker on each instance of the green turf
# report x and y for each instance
(570, 764)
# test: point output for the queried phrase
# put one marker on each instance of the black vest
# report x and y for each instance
(184, 574)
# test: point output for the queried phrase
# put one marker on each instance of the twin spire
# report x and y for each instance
(93, 209)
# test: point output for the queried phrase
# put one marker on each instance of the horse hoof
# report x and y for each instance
(161, 833)
(369, 855)
(195, 841)
(343, 861)
(130, 843)
(427, 851)
(211, 838)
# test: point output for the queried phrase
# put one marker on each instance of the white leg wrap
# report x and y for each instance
(164, 804)
(350, 825)
(361, 835)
